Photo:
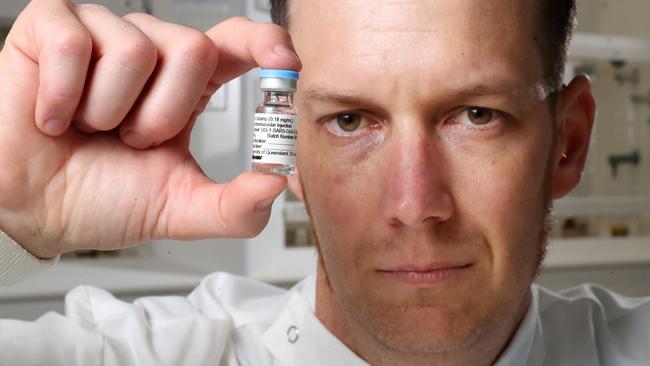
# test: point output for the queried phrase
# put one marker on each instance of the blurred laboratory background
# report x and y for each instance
(601, 231)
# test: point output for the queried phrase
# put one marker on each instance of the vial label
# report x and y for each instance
(274, 138)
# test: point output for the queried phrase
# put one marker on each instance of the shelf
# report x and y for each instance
(609, 47)
(598, 252)
(602, 205)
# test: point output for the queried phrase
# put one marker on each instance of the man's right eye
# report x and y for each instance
(348, 122)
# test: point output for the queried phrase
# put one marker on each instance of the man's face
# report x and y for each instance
(423, 153)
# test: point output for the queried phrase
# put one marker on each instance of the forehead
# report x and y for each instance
(423, 42)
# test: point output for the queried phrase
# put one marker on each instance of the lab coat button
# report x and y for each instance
(292, 334)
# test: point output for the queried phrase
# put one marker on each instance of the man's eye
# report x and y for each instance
(348, 122)
(477, 116)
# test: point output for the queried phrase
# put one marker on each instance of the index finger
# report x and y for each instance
(50, 34)
(244, 44)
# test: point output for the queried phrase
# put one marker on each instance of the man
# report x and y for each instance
(433, 136)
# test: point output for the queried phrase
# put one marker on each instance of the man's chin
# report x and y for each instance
(426, 329)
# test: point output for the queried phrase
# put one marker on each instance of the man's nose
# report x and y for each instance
(417, 190)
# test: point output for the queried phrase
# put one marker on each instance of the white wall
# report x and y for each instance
(621, 126)
(622, 17)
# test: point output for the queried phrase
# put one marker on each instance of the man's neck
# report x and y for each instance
(485, 351)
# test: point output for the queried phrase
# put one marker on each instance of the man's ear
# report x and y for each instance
(294, 184)
(575, 114)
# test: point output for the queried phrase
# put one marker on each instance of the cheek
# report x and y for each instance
(340, 180)
(337, 207)
(504, 198)
(339, 199)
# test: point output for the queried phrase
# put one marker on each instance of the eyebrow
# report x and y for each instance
(537, 91)
(342, 98)
(481, 90)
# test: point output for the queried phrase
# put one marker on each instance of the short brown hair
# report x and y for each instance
(556, 19)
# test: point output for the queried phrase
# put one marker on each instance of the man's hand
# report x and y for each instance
(95, 117)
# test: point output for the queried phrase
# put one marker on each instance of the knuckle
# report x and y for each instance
(198, 47)
(81, 122)
(163, 125)
(90, 120)
(57, 95)
(138, 53)
(52, 91)
(73, 43)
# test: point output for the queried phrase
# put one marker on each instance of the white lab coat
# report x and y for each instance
(229, 320)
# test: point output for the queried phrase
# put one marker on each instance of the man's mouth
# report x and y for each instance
(426, 275)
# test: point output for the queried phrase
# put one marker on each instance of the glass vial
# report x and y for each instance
(276, 123)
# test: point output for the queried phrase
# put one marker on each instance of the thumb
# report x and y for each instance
(238, 209)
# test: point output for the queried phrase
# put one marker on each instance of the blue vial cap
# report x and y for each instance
(283, 74)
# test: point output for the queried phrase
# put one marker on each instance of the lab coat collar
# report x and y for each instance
(527, 345)
(297, 337)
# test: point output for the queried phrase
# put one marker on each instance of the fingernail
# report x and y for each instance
(136, 140)
(54, 126)
(264, 204)
(284, 51)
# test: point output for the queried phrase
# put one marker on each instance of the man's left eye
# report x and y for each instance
(477, 116)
